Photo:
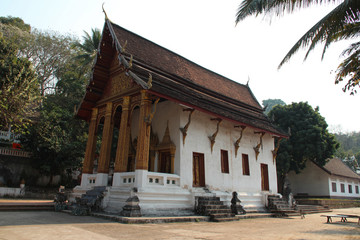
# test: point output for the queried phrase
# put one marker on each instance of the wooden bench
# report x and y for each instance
(343, 217)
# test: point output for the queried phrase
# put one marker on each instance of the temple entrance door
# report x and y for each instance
(165, 162)
(264, 177)
(198, 170)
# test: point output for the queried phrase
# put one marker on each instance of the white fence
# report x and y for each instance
(14, 152)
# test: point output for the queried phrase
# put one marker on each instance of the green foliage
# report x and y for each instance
(309, 138)
(349, 149)
(18, 89)
(58, 140)
(341, 23)
(88, 48)
(47, 61)
(16, 22)
(270, 103)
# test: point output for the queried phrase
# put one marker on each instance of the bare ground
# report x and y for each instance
(54, 225)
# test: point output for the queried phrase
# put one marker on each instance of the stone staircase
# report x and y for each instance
(215, 209)
(90, 201)
(280, 207)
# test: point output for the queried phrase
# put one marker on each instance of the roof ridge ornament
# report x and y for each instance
(106, 17)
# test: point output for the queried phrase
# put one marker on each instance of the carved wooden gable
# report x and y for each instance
(119, 82)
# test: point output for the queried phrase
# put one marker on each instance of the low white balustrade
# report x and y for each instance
(127, 179)
(163, 179)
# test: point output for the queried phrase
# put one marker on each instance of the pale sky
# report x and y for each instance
(204, 32)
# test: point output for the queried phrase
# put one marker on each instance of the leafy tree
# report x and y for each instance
(58, 140)
(18, 89)
(349, 149)
(88, 48)
(341, 23)
(16, 22)
(48, 51)
(309, 138)
(270, 103)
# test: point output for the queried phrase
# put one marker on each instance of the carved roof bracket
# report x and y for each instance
(257, 148)
(237, 143)
(185, 129)
(213, 137)
(149, 118)
(274, 152)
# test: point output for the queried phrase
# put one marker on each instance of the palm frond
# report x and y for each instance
(273, 7)
(349, 69)
(326, 30)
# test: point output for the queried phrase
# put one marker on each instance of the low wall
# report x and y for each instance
(331, 203)
(11, 192)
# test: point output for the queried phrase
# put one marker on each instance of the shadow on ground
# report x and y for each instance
(36, 218)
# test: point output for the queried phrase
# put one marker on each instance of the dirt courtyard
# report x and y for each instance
(54, 225)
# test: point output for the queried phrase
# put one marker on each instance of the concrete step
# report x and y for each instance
(225, 219)
(214, 211)
(27, 207)
(206, 207)
(208, 198)
(209, 202)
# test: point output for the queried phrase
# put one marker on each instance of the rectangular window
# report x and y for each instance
(224, 161)
(333, 186)
(357, 189)
(350, 188)
(245, 164)
(342, 187)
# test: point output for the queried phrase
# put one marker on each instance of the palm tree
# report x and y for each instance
(343, 22)
(88, 49)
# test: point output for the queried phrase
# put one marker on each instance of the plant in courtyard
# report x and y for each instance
(343, 22)
(309, 138)
(58, 140)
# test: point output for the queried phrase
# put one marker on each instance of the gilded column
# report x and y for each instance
(105, 150)
(91, 144)
(143, 143)
(122, 149)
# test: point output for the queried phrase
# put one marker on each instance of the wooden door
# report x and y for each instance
(264, 177)
(165, 162)
(198, 170)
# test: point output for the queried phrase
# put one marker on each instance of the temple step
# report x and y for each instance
(215, 209)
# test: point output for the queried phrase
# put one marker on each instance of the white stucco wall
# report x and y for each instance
(197, 140)
(312, 181)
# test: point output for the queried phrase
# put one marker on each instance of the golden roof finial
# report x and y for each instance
(106, 17)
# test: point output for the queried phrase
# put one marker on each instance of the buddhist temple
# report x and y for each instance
(167, 130)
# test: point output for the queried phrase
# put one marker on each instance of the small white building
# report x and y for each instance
(180, 130)
(334, 180)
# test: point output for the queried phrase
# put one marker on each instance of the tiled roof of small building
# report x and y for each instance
(336, 167)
